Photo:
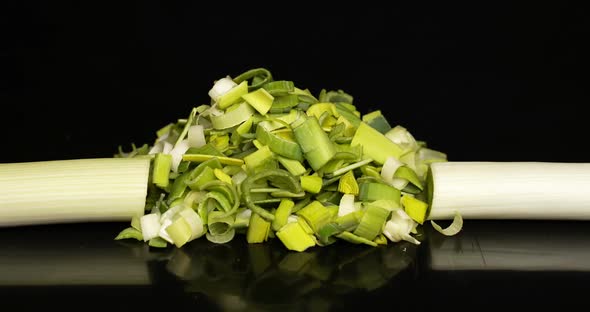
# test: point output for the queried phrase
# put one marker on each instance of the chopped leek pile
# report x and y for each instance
(269, 160)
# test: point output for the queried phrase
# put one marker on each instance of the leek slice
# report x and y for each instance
(235, 117)
(376, 120)
(277, 176)
(348, 184)
(161, 170)
(279, 87)
(260, 99)
(374, 191)
(315, 143)
(312, 184)
(221, 87)
(180, 231)
(294, 237)
(315, 214)
(375, 145)
(454, 228)
(128, 233)
(282, 214)
(355, 239)
(258, 229)
(415, 208)
(262, 73)
(281, 143)
(232, 95)
(372, 222)
(222, 160)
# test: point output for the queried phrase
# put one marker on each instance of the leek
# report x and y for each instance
(82, 190)
(263, 159)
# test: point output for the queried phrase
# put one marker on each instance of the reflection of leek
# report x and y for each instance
(268, 276)
(44, 258)
(513, 246)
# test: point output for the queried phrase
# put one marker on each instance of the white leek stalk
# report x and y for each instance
(81, 190)
(510, 190)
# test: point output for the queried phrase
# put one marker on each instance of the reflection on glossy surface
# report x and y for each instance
(513, 245)
(51, 255)
(240, 276)
(47, 266)
(59, 260)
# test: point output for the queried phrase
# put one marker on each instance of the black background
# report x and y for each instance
(478, 81)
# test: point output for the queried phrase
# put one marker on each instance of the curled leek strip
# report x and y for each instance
(280, 177)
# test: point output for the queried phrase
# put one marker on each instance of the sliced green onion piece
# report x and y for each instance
(231, 118)
(294, 237)
(207, 149)
(375, 145)
(388, 171)
(348, 184)
(371, 191)
(258, 229)
(128, 233)
(222, 160)
(150, 226)
(161, 170)
(262, 73)
(221, 87)
(242, 219)
(402, 138)
(184, 132)
(279, 87)
(157, 242)
(350, 221)
(260, 99)
(372, 222)
(355, 239)
(180, 231)
(327, 231)
(233, 95)
(281, 143)
(262, 159)
(346, 205)
(408, 174)
(196, 136)
(415, 208)
(315, 143)
(221, 238)
(338, 96)
(380, 240)
(178, 186)
(351, 167)
(399, 227)
(282, 214)
(293, 166)
(315, 214)
(222, 176)
(277, 176)
(135, 223)
(284, 103)
(453, 228)
(218, 224)
(352, 120)
(312, 184)
(194, 221)
(205, 175)
(376, 120)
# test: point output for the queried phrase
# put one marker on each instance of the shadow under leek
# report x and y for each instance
(513, 246)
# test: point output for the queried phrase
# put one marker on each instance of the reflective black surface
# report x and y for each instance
(494, 263)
